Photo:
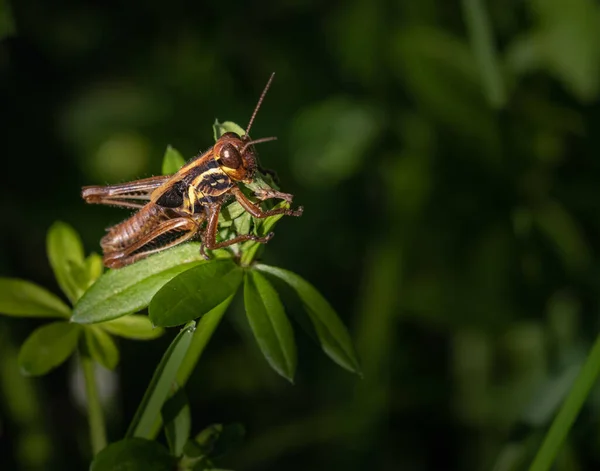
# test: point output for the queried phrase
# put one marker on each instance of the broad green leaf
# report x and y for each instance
(228, 126)
(85, 275)
(178, 422)
(102, 348)
(65, 251)
(93, 267)
(133, 326)
(331, 332)
(133, 454)
(194, 293)
(47, 347)
(172, 161)
(270, 325)
(161, 384)
(130, 289)
(26, 299)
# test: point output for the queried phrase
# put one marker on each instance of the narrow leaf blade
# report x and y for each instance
(133, 326)
(65, 251)
(130, 289)
(133, 454)
(48, 347)
(172, 161)
(270, 325)
(178, 422)
(331, 332)
(102, 348)
(160, 384)
(26, 299)
(194, 293)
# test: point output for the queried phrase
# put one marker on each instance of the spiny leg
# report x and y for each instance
(209, 238)
(165, 235)
(255, 210)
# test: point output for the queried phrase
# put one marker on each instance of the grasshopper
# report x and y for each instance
(175, 208)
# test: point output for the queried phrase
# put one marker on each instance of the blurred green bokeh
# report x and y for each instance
(448, 160)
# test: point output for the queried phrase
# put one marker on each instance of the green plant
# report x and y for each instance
(177, 287)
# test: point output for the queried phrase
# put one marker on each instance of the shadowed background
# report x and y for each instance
(447, 157)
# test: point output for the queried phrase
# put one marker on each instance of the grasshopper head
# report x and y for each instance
(236, 155)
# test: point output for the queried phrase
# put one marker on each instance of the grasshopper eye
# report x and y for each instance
(230, 157)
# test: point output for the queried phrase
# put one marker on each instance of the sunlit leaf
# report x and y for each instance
(270, 325)
(86, 274)
(331, 332)
(133, 454)
(101, 346)
(228, 126)
(26, 299)
(172, 161)
(194, 293)
(133, 326)
(177, 420)
(229, 213)
(48, 347)
(130, 289)
(65, 251)
(160, 384)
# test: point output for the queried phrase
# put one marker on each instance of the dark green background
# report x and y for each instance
(451, 213)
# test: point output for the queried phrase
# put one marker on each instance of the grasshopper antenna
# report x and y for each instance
(257, 141)
(260, 100)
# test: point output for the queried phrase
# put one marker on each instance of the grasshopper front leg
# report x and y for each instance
(209, 238)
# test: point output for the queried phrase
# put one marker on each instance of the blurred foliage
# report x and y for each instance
(444, 153)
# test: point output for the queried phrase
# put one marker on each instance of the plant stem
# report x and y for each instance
(95, 417)
(568, 412)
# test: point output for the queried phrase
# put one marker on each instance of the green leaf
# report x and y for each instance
(7, 22)
(48, 347)
(477, 18)
(65, 251)
(270, 325)
(178, 422)
(228, 126)
(85, 275)
(133, 454)
(195, 292)
(331, 332)
(329, 140)
(26, 299)
(262, 228)
(160, 384)
(133, 326)
(204, 331)
(172, 161)
(130, 289)
(215, 440)
(562, 229)
(229, 213)
(102, 348)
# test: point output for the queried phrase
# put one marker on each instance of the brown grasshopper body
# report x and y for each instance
(175, 208)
